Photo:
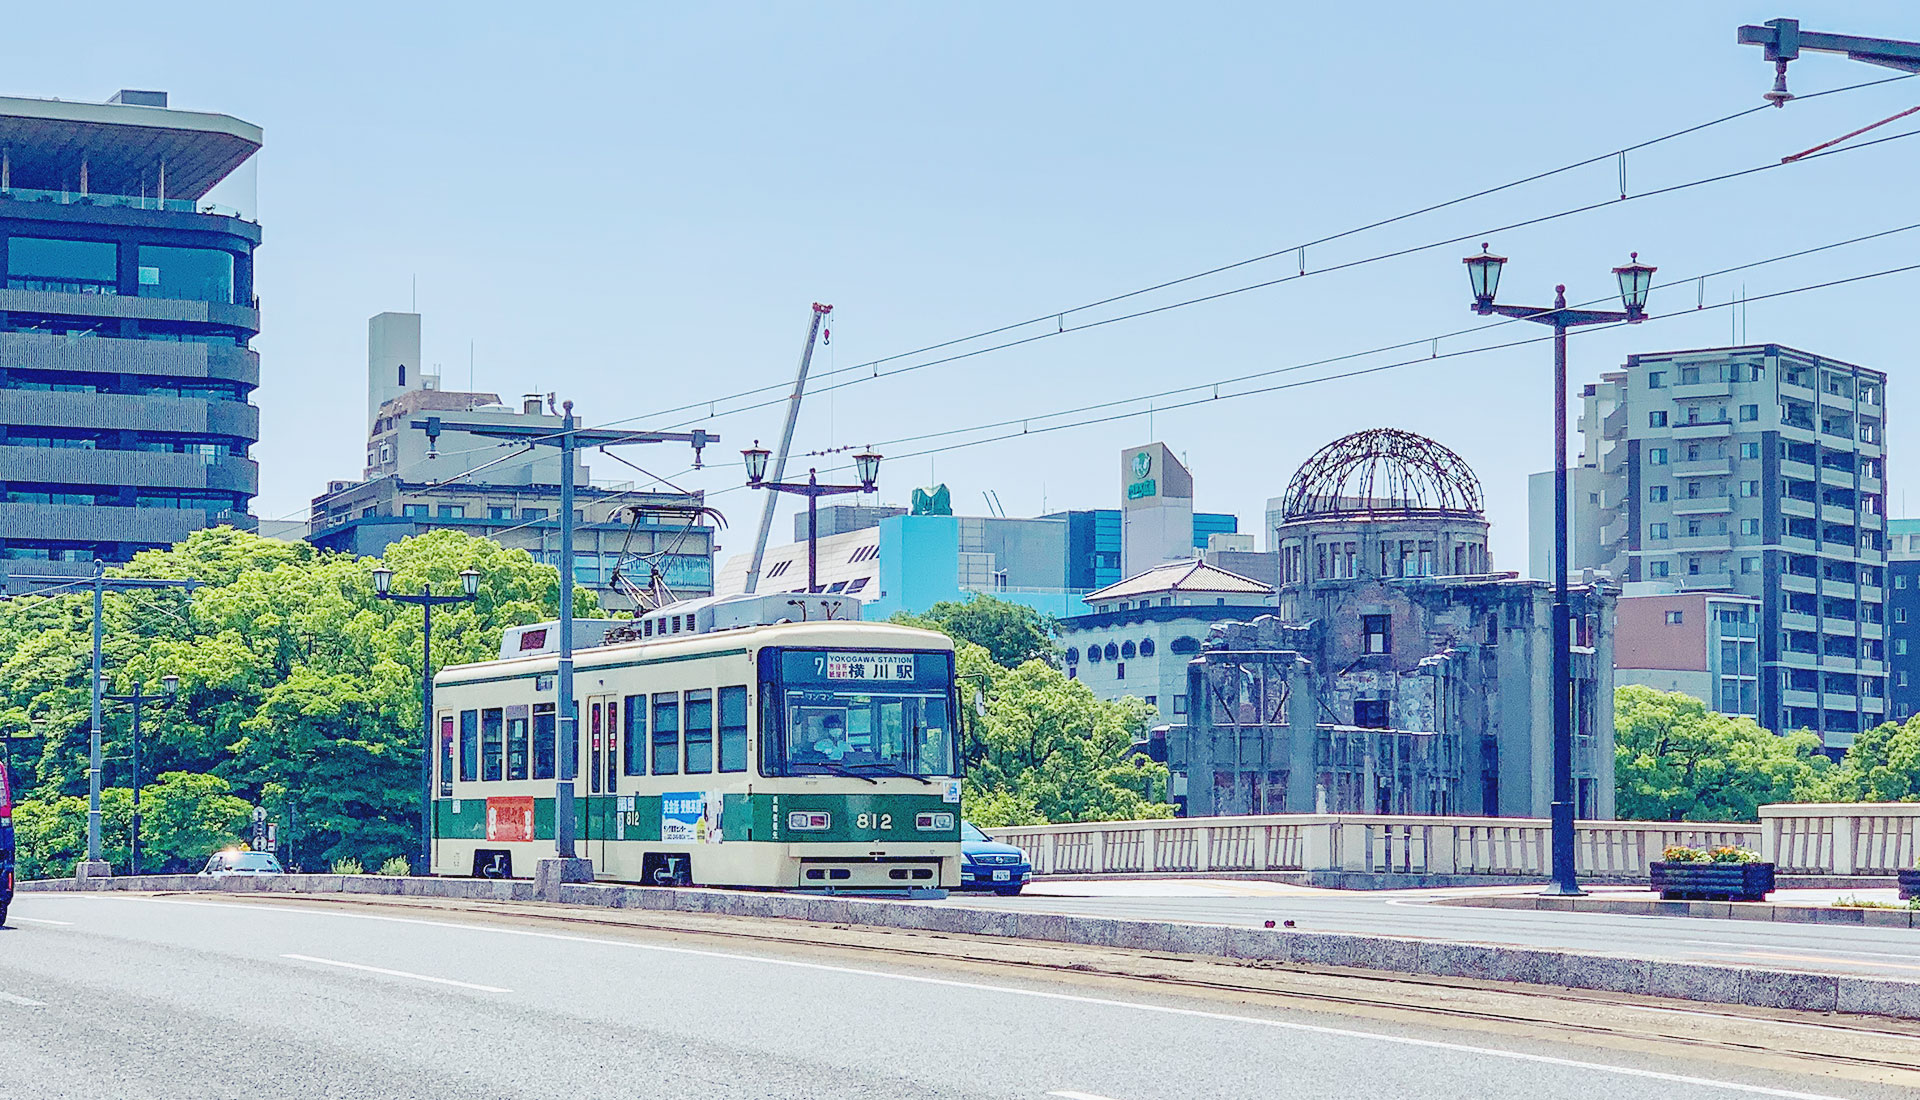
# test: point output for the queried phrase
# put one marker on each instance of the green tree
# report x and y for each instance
(1882, 765)
(297, 684)
(1674, 760)
(1011, 633)
(186, 817)
(1047, 750)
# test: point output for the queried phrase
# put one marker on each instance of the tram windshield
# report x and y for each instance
(862, 713)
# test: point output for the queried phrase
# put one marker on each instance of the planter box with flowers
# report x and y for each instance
(1715, 874)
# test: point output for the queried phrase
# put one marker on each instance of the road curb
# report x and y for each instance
(1703, 982)
(1715, 910)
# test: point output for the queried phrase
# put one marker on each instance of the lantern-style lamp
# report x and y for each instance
(170, 684)
(756, 457)
(1483, 271)
(868, 465)
(470, 582)
(1636, 279)
(382, 580)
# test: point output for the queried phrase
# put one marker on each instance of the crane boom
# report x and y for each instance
(786, 443)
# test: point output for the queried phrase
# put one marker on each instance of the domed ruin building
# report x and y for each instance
(1398, 673)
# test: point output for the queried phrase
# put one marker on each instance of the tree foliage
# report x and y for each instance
(1011, 633)
(184, 818)
(1674, 760)
(1882, 765)
(299, 689)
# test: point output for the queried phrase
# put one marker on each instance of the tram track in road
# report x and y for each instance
(1857, 1048)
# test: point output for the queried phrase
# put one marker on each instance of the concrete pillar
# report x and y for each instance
(89, 869)
(550, 874)
(1149, 849)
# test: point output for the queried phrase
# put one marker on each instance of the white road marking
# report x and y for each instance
(38, 920)
(1069, 1094)
(397, 973)
(12, 999)
(1751, 946)
(1011, 991)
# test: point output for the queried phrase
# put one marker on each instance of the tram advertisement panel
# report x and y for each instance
(510, 817)
(690, 817)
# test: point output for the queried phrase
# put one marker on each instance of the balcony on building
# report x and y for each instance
(1701, 506)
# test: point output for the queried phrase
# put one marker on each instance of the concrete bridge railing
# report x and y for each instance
(1354, 843)
(1841, 838)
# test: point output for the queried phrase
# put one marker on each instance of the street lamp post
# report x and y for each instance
(170, 690)
(1635, 279)
(426, 601)
(866, 464)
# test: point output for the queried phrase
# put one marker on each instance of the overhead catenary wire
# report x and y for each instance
(1129, 414)
(1288, 278)
(1058, 315)
(1061, 329)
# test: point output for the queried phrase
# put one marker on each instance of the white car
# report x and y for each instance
(241, 863)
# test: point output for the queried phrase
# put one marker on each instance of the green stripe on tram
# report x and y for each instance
(758, 817)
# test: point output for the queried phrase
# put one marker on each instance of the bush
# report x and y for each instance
(1680, 853)
(347, 865)
(396, 867)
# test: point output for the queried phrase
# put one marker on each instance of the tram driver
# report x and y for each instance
(826, 736)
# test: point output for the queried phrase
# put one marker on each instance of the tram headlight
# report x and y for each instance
(809, 821)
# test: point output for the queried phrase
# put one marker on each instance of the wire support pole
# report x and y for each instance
(426, 601)
(101, 584)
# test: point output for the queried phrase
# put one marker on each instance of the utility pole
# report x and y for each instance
(93, 866)
(170, 690)
(820, 313)
(568, 439)
(426, 601)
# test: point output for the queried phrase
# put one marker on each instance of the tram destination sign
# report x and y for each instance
(881, 667)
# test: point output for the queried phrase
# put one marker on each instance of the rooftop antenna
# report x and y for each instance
(415, 308)
(469, 366)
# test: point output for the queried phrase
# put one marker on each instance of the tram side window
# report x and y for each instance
(733, 729)
(516, 742)
(543, 734)
(446, 756)
(469, 746)
(636, 735)
(699, 731)
(593, 750)
(490, 729)
(666, 733)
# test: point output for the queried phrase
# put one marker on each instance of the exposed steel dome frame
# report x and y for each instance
(1387, 472)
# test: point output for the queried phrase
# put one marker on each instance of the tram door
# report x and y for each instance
(603, 771)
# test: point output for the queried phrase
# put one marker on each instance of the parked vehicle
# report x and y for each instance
(241, 863)
(987, 864)
(6, 843)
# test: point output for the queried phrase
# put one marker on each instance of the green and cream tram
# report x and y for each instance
(712, 749)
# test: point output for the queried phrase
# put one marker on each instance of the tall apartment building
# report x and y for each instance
(125, 320)
(1903, 619)
(1756, 470)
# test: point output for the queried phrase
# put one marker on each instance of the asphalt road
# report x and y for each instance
(122, 996)
(1884, 952)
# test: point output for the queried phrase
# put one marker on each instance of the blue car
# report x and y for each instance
(987, 864)
(6, 843)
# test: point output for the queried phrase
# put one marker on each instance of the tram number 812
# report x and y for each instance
(882, 822)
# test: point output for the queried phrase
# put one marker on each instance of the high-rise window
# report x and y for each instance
(68, 267)
(1749, 412)
(1657, 419)
(1656, 493)
(201, 274)
(1656, 379)
(1656, 456)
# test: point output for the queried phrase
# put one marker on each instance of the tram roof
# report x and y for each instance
(848, 634)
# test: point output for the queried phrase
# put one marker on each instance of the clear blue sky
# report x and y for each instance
(634, 205)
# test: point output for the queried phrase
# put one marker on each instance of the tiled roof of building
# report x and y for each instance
(1180, 576)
